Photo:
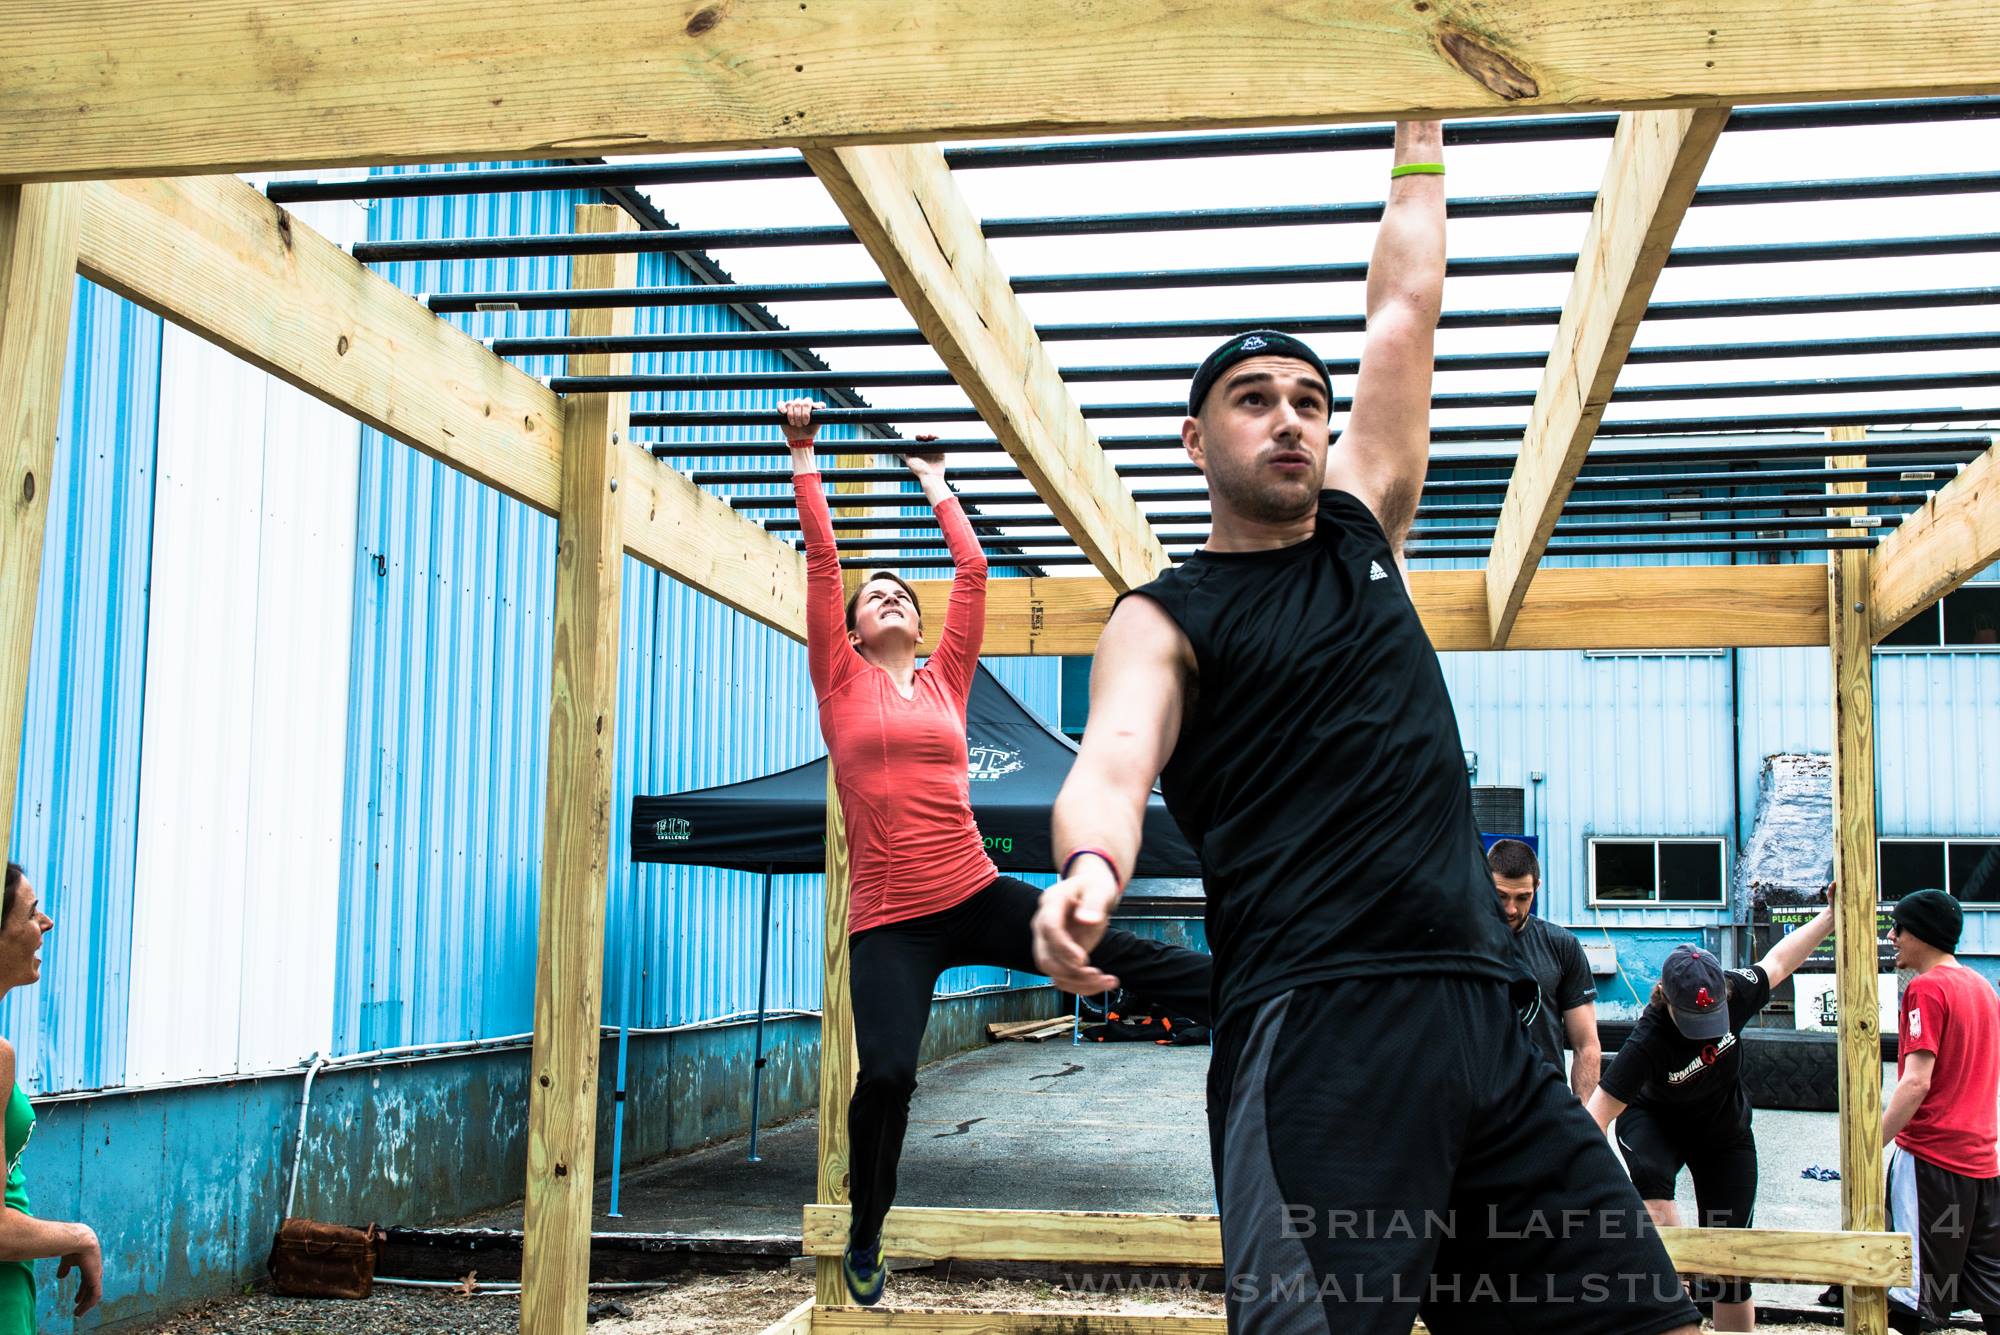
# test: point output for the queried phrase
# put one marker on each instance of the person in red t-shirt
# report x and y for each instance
(1939, 1125)
(923, 895)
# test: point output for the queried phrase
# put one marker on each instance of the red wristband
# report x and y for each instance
(1100, 854)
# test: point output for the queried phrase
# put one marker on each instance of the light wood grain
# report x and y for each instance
(38, 238)
(1630, 607)
(100, 88)
(1856, 968)
(578, 825)
(1937, 548)
(1799, 1256)
(216, 257)
(908, 212)
(1657, 159)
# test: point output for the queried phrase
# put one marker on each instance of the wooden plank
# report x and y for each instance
(837, 1060)
(935, 1321)
(1650, 607)
(1952, 538)
(38, 237)
(1794, 1255)
(100, 88)
(908, 212)
(216, 257)
(798, 1321)
(1856, 968)
(578, 841)
(1657, 159)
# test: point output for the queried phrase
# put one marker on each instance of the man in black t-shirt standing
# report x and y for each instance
(1566, 1009)
(1386, 1140)
(1676, 1091)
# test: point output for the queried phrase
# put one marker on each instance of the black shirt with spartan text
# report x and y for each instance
(1694, 1086)
(1319, 772)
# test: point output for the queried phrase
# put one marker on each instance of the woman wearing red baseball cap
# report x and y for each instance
(1676, 1091)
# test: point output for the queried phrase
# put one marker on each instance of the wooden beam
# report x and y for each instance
(578, 841)
(1952, 538)
(1631, 607)
(925, 238)
(1856, 967)
(38, 231)
(837, 1060)
(216, 257)
(1657, 159)
(1791, 1255)
(933, 1321)
(100, 88)
(798, 1321)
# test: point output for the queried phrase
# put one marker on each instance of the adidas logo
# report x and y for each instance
(1375, 571)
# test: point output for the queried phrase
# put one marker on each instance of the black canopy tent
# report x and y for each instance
(777, 822)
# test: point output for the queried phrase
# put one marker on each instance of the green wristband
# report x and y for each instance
(1417, 169)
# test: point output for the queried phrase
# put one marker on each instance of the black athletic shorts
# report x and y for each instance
(1393, 1147)
(1956, 1223)
(1724, 1173)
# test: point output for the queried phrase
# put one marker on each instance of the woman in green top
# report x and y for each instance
(25, 1239)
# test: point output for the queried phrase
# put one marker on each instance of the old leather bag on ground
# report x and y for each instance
(314, 1260)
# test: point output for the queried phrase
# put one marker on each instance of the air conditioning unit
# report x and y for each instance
(1499, 809)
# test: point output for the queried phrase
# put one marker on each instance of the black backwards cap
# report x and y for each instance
(1242, 347)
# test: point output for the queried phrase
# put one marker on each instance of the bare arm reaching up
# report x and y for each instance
(1382, 456)
(1138, 686)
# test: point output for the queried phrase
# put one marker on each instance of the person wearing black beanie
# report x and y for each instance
(1940, 1122)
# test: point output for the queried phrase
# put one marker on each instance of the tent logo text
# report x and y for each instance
(985, 763)
(672, 830)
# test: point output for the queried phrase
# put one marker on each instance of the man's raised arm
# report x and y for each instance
(1382, 456)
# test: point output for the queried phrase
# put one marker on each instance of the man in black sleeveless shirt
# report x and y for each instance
(1386, 1140)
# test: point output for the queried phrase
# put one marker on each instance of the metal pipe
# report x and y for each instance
(713, 294)
(1156, 221)
(618, 1091)
(763, 977)
(1613, 482)
(1659, 505)
(1525, 398)
(1430, 552)
(1525, 317)
(1069, 152)
(994, 544)
(299, 1142)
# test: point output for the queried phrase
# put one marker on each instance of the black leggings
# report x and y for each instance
(894, 970)
(1724, 1171)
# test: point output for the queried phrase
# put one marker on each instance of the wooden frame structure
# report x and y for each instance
(95, 145)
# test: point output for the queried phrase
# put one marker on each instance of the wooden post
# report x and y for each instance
(38, 236)
(577, 839)
(837, 1061)
(1861, 1176)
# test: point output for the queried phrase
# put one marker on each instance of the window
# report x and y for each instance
(1075, 695)
(1657, 871)
(1967, 618)
(1969, 868)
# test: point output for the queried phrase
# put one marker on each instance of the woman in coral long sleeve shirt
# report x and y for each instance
(924, 897)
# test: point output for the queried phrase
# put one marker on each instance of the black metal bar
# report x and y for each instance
(712, 294)
(997, 542)
(1828, 304)
(1156, 221)
(1647, 505)
(1759, 451)
(1511, 130)
(1445, 552)
(747, 477)
(1184, 371)
(1742, 389)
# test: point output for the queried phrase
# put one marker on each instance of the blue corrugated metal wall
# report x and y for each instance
(75, 818)
(449, 729)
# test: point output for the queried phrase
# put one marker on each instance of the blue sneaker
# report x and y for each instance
(864, 1273)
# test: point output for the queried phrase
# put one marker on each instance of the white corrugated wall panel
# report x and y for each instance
(242, 763)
